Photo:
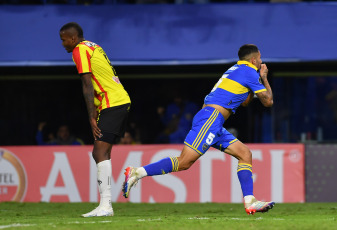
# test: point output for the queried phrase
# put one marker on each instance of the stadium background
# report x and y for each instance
(161, 49)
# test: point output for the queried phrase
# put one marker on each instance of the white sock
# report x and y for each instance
(141, 172)
(104, 173)
(249, 199)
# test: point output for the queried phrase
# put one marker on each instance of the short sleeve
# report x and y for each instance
(254, 82)
(81, 57)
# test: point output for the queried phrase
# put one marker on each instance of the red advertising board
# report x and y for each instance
(68, 174)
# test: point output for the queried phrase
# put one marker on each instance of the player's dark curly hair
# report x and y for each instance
(246, 50)
(74, 25)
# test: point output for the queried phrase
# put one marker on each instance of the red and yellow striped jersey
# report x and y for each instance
(91, 58)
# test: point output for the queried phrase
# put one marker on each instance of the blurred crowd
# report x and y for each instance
(173, 124)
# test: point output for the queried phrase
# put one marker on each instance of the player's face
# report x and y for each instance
(68, 40)
(257, 60)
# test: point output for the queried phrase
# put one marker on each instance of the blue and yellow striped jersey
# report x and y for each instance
(234, 86)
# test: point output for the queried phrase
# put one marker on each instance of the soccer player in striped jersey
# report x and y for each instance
(236, 87)
(107, 103)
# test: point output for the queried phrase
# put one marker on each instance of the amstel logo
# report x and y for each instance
(12, 177)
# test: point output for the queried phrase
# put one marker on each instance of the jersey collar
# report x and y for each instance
(247, 63)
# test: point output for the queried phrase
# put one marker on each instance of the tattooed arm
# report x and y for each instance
(266, 97)
(88, 93)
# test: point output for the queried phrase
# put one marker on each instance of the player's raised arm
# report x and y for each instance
(266, 97)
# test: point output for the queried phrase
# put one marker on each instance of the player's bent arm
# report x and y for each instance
(266, 97)
(248, 100)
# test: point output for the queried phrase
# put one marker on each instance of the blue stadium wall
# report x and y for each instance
(171, 34)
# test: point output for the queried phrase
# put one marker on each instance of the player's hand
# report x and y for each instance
(95, 130)
(263, 71)
(41, 125)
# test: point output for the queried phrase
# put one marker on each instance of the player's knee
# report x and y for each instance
(100, 155)
(243, 153)
(184, 165)
(96, 158)
(246, 155)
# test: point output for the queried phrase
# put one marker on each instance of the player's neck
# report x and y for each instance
(80, 40)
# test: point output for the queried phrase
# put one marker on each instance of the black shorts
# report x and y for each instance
(112, 123)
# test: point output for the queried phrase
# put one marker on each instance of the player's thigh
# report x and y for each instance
(240, 151)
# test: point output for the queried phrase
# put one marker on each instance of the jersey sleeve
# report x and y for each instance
(81, 57)
(254, 83)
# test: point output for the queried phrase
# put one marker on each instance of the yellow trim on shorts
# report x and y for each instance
(202, 128)
(231, 142)
(200, 153)
(205, 128)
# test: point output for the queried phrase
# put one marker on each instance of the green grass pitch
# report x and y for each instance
(193, 216)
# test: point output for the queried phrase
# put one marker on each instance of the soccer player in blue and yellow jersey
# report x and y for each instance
(107, 103)
(236, 87)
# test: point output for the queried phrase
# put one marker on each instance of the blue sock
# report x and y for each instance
(166, 165)
(246, 178)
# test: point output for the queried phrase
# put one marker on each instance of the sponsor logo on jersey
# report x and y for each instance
(90, 44)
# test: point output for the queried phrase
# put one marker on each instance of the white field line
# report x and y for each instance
(198, 218)
(16, 225)
(141, 220)
(52, 224)
(250, 219)
(149, 219)
(89, 222)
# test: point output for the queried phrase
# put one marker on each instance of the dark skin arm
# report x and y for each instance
(266, 97)
(88, 93)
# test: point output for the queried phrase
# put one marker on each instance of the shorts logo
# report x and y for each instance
(205, 147)
(13, 181)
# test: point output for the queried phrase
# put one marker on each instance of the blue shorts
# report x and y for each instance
(207, 130)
